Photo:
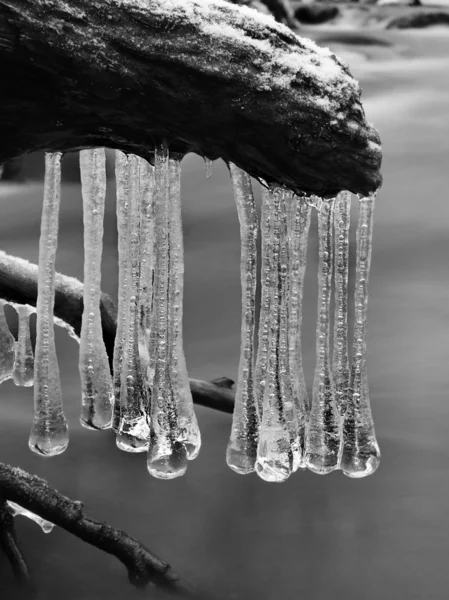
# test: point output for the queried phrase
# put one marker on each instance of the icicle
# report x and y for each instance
(323, 435)
(23, 373)
(45, 525)
(209, 164)
(242, 448)
(340, 359)
(96, 381)
(7, 345)
(189, 433)
(49, 433)
(274, 452)
(299, 224)
(361, 455)
(133, 434)
(167, 456)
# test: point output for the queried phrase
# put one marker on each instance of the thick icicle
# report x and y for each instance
(7, 345)
(299, 224)
(133, 433)
(323, 432)
(45, 525)
(209, 165)
(49, 434)
(242, 448)
(361, 455)
(340, 359)
(167, 456)
(23, 373)
(274, 451)
(189, 432)
(96, 381)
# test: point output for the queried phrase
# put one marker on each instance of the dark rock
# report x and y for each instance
(315, 14)
(418, 20)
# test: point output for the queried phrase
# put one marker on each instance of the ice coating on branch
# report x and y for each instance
(274, 451)
(133, 432)
(298, 234)
(167, 456)
(45, 525)
(96, 381)
(340, 358)
(242, 448)
(7, 345)
(49, 434)
(189, 433)
(361, 454)
(323, 433)
(23, 373)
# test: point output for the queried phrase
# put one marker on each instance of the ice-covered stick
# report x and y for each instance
(298, 231)
(45, 525)
(96, 381)
(189, 432)
(323, 431)
(242, 447)
(7, 345)
(23, 373)
(133, 432)
(49, 433)
(361, 454)
(167, 456)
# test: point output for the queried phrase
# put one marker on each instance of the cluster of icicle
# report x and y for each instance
(147, 400)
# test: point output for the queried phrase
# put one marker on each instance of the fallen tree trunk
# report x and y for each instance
(213, 78)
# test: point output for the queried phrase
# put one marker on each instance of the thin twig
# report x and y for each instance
(10, 545)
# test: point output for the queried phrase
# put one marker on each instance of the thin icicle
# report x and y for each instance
(49, 434)
(274, 452)
(134, 432)
(323, 434)
(96, 381)
(167, 456)
(361, 454)
(23, 373)
(242, 448)
(209, 164)
(7, 345)
(122, 182)
(299, 224)
(45, 525)
(340, 359)
(189, 432)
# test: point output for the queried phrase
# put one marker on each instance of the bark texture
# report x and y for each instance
(209, 77)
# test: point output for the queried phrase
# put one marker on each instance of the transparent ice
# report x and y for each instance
(45, 525)
(96, 381)
(23, 373)
(361, 454)
(167, 456)
(274, 451)
(133, 432)
(209, 164)
(7, 345)
(242, 448)
(323, 431)
(49, 433)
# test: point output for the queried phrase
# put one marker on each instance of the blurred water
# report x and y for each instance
(315, 537)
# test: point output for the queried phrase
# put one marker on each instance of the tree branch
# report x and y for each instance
(10, 545)
(209, 77)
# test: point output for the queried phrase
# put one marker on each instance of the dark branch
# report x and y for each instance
(219, 80)
(10, 545)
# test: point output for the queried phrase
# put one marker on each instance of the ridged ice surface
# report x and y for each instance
(49, 434)
(242, 448)
(45, 525)
(133, 432)
(23, 373)
(274, 451)
(189, 432)
(323, 433)
(361, 455)
(340, 358)
(298, 232)
(167, 456)
(7, 345)
(96, 380)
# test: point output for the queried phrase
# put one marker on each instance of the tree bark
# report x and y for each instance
(216, 79)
